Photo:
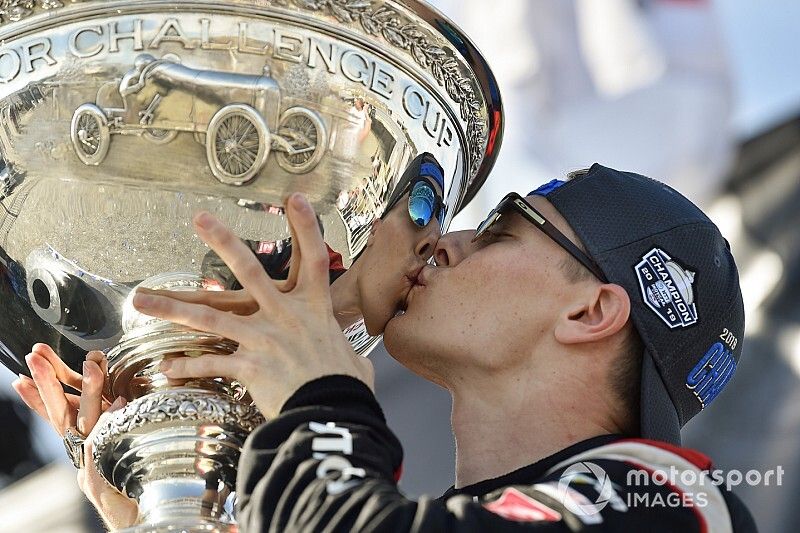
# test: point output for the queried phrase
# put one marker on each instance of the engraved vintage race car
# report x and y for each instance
(236, 116)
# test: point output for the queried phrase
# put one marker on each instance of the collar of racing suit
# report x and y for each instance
(537, 470)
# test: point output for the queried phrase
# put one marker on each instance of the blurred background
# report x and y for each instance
(701, 94)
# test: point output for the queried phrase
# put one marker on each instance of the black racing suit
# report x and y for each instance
(330, 463)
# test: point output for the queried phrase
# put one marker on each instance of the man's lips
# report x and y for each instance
(413, 280)
(418, 280)
(416, 276)
(423, 274)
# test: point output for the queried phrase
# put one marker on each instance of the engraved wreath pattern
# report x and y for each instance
(406, 35)
(375, 20)
(175, 406)
(15, 10)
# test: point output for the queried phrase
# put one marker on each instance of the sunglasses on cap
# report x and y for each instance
(515, 202)
(424, 200)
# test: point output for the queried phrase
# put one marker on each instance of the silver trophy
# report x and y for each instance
(119, 120)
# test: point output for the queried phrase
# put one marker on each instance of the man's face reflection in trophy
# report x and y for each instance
(400, 244)
(375, 288)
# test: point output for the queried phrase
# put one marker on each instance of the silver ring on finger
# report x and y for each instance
(73, 442)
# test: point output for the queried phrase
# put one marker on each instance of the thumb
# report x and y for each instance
(116, 509)
(88, 443)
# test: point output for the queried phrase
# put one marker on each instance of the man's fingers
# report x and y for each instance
(195, 316)
(116, 508)
(313, 268)
(91, 397)
(294, 263)
(63, 373)
(26, 388)
(102, 361)
(103, 419)
(100, 358)
(239, 258)
(59, 413)
(204, 366)
(285, 285)
(238, 302)
(27, 391)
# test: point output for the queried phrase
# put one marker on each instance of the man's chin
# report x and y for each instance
(393, 323)
(376, 323)
(398, 329)
(404, 342)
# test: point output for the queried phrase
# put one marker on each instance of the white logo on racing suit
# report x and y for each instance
(340, 442)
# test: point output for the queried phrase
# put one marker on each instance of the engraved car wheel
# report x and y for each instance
(237, 144)
(90, 134)
(305, 131)
(158, 136)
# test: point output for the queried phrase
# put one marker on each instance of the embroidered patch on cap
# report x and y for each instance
(667, 289)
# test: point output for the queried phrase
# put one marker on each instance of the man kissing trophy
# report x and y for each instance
(120, 120)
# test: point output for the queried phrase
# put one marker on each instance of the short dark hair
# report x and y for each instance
(625, 375)
(625, 378)
(577, 173)
(574, 270)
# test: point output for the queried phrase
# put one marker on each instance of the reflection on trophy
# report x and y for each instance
(120, 120)
(209, 104)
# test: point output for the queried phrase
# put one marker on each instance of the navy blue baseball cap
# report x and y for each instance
(686, 301)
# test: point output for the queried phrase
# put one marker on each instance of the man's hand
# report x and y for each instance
(291, 336)
(238, 302)
(45, 395)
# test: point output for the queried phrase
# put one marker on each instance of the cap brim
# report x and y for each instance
(658, 418)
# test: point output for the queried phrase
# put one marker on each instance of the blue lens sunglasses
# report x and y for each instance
(424, 202)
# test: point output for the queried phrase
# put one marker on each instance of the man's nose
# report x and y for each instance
(453, 248)
(427, 244)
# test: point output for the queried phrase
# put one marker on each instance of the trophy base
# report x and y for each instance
(175, 451)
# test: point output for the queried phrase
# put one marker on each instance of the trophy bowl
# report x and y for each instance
(119, 120)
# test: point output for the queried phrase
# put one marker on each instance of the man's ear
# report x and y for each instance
(373, 228)
(601, 315)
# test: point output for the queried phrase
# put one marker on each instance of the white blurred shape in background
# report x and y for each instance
(640, 85)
